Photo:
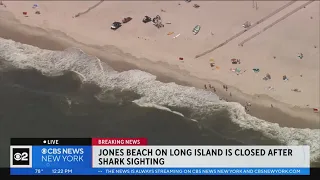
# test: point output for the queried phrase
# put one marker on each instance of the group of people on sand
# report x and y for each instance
(210, 87)
(246, 106)
(214, 89)
(225, 87)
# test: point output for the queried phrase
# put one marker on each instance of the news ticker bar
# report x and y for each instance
(78, 141)
(161, 171)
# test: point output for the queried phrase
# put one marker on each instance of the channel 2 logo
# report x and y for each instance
(21, 156)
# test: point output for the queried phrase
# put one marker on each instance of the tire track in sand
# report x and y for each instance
(275, 22)
(245, 30)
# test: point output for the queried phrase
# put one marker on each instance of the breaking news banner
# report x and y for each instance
(133, 156)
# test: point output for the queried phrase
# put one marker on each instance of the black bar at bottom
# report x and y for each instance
(315, 171)
(4, 172)
(51, 141)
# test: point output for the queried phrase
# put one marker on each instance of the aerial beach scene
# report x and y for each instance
(175, 72)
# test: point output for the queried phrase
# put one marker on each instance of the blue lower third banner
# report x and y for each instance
(160, 171)
(61, 156)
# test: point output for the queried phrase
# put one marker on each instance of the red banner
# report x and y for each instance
(119, 141)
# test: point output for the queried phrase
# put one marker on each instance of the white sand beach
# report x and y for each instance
(276, 48)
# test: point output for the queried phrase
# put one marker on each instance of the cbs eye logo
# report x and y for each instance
(20, 156)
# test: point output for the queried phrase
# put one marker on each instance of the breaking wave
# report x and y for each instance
(159, 107)
(152, 93)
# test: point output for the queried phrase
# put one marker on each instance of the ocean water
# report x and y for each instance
(71, 94)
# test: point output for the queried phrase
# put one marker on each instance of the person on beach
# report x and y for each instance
(226, 88)
(214, 89)
(2, 4)
(230, 94)
(271, 106)
(205, 86)
(210, 86)
(246, 107)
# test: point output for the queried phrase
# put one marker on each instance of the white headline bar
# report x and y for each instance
(201, 156)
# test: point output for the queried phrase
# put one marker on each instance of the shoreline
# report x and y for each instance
(283, 114)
